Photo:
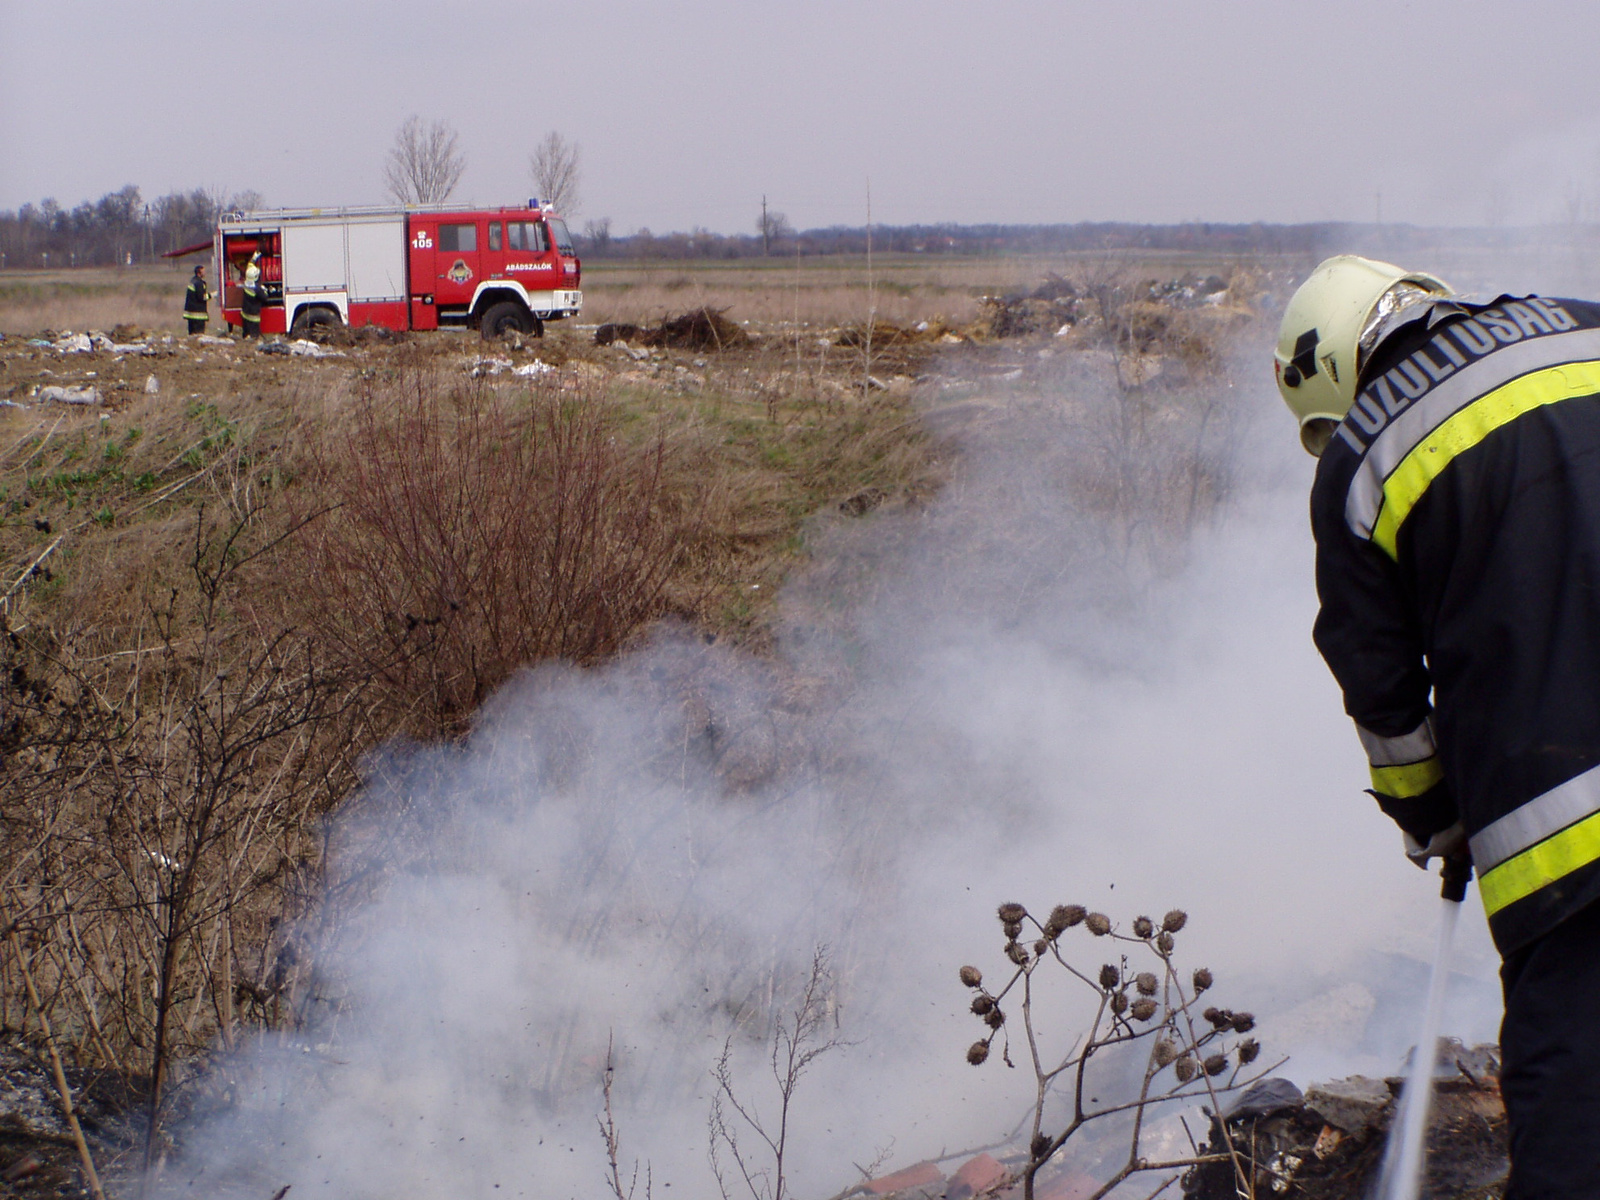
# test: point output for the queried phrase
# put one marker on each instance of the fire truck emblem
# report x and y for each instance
(459, 271)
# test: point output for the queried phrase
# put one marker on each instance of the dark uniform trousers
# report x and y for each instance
(1550, 1043)
(250, 311)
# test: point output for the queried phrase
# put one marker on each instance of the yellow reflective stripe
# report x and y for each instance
(1408, 779)
(1558, 855)
(1465, 429)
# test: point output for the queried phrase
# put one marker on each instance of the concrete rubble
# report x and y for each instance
(1324, 1144)
(68, 395)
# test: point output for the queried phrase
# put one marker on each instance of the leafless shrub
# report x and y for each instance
(798, 1039)
(156, 809)
(424, 165)
(1145, 1003)
(612, 1139)
(554, 168)
(476, 531)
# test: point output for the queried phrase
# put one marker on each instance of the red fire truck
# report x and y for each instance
(498, 270)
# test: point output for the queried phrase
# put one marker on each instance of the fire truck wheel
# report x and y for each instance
(508, 317)
(308, 319)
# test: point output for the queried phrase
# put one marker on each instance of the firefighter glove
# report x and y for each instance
(1447, 843)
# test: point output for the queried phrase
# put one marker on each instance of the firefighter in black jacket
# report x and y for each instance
(250, 297)
(196, 301)
(1456, 511)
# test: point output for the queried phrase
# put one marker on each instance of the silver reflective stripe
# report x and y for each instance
(1536, 820)
(1399, 438)
(1398, 751)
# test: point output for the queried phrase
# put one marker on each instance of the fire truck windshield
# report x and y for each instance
(558, 230)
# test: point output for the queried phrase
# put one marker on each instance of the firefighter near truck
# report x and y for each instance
(497, 270)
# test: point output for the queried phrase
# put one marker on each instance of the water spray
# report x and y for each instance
(1401, 1178)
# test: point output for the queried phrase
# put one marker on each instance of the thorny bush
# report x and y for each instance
(1141, 1001)
(474, 531)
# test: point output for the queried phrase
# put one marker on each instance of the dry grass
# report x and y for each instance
(149, 297)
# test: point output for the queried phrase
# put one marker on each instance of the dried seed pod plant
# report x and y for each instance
(1142, 1002)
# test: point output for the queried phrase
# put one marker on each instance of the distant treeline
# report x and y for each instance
(1081, 237)
(121, 228)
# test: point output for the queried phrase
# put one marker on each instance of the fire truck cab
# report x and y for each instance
(497, 270)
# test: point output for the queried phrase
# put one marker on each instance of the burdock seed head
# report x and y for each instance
(1016, 954)
(1244, 1022)
(1248, 1049)
(1216, 1064)
(1099, 924)
(1218, 1017)
(1183, 1067)
(1012, 929)
(1146, 982)
(1143, 927)
(1119, 1002)
(1039, 1145)
(981, 1004)
(1110, 976)
(1064, 916)
(1175, 920)
(1143, 1008)
(977, 1052)
(994, 1018)
(1011, 912)
(1165, 1052)
(1041, 946)
(1202, 979)
(971, 976)
(1164, 943)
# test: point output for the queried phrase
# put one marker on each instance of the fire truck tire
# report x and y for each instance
(508, 317)
(308, 319)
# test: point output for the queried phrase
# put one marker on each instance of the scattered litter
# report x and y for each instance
(637, 353)
(40, 342)
(11, 404)
(272, 347)
(306, 349)
(152, 386)
(534, 368)
(1010, 375)
(69, 395)
(488, 366)
(211, 339)
(74, 343)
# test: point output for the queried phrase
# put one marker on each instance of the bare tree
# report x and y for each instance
(424, 164)
(553, 167)
(773, 226)
(597, 232)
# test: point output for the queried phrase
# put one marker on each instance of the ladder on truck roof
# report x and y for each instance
(258, 215)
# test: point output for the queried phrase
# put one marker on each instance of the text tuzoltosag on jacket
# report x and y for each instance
(1457, 520)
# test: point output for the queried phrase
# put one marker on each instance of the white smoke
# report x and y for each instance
(1003, 697)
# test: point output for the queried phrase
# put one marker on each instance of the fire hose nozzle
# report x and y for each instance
(1455, 875)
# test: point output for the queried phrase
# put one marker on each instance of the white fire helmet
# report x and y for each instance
(1329, 328)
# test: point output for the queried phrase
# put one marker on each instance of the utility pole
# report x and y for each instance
(764, 227)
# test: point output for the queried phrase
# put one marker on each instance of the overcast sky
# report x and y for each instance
(1455, 111)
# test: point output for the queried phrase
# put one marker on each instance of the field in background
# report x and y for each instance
(832, 290)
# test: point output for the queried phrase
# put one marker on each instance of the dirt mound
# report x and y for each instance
(616, 331)
(701, 329)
